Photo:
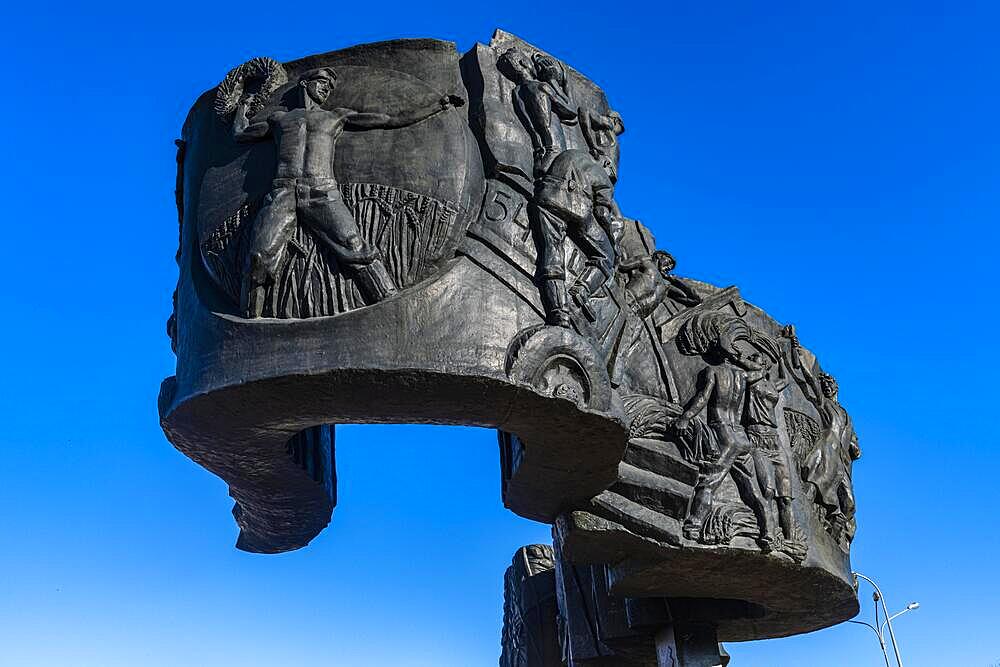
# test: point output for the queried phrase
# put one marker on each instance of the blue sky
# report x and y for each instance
(839, 161)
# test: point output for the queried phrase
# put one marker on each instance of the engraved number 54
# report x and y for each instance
(499, 208)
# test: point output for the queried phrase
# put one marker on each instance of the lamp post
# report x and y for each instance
(881, 641)
(877, 597)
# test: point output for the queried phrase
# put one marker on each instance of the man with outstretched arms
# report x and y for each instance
(305, 189)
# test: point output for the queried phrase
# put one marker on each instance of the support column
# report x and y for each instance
(530, 626)
(689, 645)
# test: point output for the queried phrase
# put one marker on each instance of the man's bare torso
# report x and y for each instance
(306, 139)
(726, 406)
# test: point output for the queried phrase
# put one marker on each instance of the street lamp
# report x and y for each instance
(879, 629)
(909, 607)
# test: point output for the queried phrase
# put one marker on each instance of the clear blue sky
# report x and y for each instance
(839, 161)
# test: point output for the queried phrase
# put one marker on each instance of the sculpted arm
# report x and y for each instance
(630, 264)
(698, 402)
(561, 104)
(602, 194)
(644, 284)
(810, 385)
(681, 293)
(381, 121)
(807, 382)
(783, 380)
(855, 448)
(245, 130)
(600, 121)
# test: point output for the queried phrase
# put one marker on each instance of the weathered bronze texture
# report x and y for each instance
(398, 233)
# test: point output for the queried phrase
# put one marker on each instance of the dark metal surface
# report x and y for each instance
(397, 233)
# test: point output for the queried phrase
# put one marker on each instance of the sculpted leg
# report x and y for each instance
(843, 518)
(712, 475)
(701, 505)
(591, 238)
(783, 485)
(785, 518)
(552, 271)
(744, 476)
(537, 108)
(326, 214)
(846, 496)
(270, 233)
(765, 473)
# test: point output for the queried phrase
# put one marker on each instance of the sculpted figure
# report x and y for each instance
(650, 281)
(305, 190)
(644, 368)
(541, 91)
(828, 467)
(575, 198)
(722, 391)
(770, 458)
(601, 132)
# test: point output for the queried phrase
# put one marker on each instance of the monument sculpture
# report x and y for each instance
(395, 232)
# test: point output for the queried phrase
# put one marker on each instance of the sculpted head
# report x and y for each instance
(829, 386)
(318, 84)
(766, 351)
(616, 121)
(516, 65)
(549, 69)
(665, 262)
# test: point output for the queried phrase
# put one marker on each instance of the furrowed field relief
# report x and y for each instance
(398, 233)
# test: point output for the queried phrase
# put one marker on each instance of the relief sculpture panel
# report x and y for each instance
(323, 228)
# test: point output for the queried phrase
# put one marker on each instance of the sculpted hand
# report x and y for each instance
(243, 107)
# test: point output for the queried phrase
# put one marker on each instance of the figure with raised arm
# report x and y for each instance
(304, 188)
(650, 281)
(770, 458)
(541, 92)
(601, 132)
(722, 393)
(828, 466)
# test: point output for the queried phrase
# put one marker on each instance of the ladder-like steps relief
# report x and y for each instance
(657, 492)
(636, 518)
(661, 458)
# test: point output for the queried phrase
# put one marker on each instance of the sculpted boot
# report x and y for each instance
(374, 282)
(255, 279)
(554, 298)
